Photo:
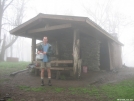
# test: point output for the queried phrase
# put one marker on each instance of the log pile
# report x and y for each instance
(90, 53)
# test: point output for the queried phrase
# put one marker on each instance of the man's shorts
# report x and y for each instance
(45, 65)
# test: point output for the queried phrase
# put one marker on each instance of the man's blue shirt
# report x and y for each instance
(45, 49)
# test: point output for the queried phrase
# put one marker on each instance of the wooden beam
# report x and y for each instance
(49, 28)
(57, 51)
(79, 67)
(57, 61)
(61, 68)
(62, 61)
(33, 50)
(76, 48)
(58, 68)
(110, 56)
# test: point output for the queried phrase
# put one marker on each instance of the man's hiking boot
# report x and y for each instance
(49, 83)
(42, 82)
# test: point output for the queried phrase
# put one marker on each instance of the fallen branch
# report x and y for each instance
(14, 73)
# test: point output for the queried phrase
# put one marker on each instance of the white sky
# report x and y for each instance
(75, 7)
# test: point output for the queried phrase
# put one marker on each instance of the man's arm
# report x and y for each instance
(50, 51)
(39, 49)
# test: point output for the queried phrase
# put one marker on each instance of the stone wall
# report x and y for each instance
(90, 52)
(65, 46)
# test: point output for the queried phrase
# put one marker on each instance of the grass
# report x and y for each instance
(9, 100)
(110, 92)
(8, 67)
(58, 89)
(13, 100)
(4, 80)
(63, 77)
(35, 89)
(122, 90)
(42, 89)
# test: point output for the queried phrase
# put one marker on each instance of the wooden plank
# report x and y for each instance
(110, 56)
(62, 26)
(61, 68)
(76, 48)
(57, 49)
(79, 67)
(57, 61)
(33, 49)
(58, 68)
(57, 52)
(62, 61)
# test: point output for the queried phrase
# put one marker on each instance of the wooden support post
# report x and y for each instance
(110, 56)
(57, 75)
(76, 48)
(79, 67)
(57, 52)
(33, 50)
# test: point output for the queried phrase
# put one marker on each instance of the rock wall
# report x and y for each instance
(65, 46)
(90, 52)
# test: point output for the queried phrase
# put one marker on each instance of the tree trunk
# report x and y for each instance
(0, 28)
(2, 53)
(11, 50)
(4, 47)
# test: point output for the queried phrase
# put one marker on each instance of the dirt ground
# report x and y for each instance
(9, 85)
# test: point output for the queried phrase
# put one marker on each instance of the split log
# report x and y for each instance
(76, 48)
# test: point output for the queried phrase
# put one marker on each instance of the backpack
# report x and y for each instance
(50, 49)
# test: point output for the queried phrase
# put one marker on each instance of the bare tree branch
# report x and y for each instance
(13, 40)
(7, 5)
(17, 20)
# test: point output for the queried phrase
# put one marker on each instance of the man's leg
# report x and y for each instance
(42, 73)
(49, 74)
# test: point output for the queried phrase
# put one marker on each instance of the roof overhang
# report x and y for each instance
(57, 22)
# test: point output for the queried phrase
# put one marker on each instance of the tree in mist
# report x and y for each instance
(107, 16)
(6, 22)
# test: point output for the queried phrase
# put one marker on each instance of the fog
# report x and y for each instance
(123, 8)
